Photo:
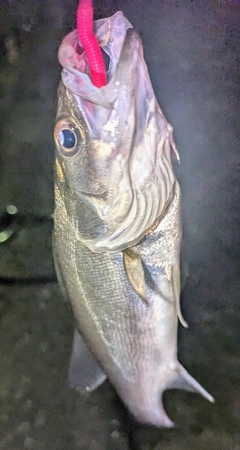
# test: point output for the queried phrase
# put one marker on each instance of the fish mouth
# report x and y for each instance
(76, 68)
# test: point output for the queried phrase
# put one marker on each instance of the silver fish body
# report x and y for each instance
(117, 232)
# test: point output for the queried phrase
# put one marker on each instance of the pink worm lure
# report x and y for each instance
(90, 43)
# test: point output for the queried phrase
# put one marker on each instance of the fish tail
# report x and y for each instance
(154, 415)
(184, 380)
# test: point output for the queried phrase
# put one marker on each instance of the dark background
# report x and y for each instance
(193, 52)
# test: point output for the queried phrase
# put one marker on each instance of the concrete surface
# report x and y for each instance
(193, 52)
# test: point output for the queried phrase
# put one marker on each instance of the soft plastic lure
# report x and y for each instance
(90, 43)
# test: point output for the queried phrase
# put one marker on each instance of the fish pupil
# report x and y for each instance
(67, 138)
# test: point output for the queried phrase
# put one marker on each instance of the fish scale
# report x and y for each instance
(90, 274)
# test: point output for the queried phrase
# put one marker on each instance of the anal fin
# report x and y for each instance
(185, 381)
(84, 374)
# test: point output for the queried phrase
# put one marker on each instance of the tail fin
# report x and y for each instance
(153, 414)
(185, 381)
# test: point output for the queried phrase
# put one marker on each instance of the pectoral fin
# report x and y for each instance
(185, 381)
(85, 374)
(135, 273)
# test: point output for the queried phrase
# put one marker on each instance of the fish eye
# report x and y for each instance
(68, 137)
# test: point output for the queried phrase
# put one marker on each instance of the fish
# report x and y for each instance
(117, 226)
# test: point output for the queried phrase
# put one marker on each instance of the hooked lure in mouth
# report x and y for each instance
(117, 225)
(90, 44)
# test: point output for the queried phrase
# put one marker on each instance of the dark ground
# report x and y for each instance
(193, 52)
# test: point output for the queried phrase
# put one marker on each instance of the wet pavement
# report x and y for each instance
(193, 53)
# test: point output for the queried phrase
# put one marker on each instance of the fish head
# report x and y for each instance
(113, 146)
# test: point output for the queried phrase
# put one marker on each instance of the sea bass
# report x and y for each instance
(117, 228)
